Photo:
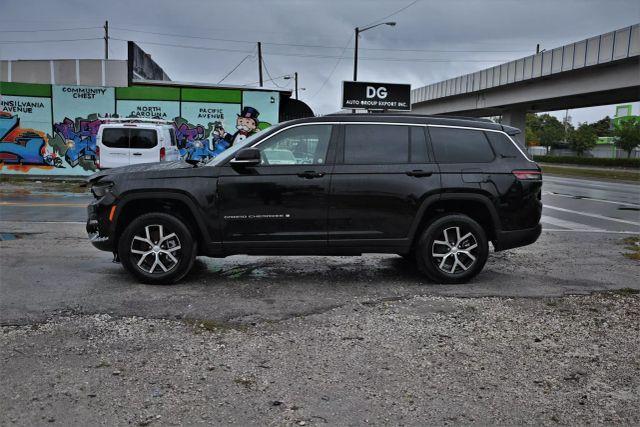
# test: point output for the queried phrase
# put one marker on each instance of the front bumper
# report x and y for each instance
(514, 239)
(98, 227)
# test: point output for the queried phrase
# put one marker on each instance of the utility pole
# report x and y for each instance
(296, 78)
(538, 48)
(106, 39)
(260, 62)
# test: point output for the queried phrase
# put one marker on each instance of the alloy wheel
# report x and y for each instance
(156, 249)
(455, 252)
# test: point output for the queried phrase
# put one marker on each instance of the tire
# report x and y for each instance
(409, 257)
(152, 263)
(457, 261)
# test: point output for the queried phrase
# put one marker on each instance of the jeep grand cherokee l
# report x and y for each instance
(435, 190)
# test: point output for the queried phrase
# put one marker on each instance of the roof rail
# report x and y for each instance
(134, 120)
(435, 116)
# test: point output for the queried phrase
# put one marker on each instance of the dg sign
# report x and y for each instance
(376, 96)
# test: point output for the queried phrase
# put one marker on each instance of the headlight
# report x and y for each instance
(101, 188)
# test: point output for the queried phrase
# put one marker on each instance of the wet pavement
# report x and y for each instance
(569, 204)
(48, 265)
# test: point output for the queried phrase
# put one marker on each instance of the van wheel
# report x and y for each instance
(452, 249)
(157, 248)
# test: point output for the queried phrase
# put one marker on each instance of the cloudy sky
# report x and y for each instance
(202, 41)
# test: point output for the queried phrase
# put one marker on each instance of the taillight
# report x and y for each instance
(98, 156)
(528, 175)
(162, 154)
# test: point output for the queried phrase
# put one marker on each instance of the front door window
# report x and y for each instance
(301, 145)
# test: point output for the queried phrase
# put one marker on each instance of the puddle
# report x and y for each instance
(13, 236)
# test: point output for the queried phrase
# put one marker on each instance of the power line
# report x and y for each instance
(48, 41)
(234, 68)
(41, 31)
(334, 68)
(186, 46)
(272, 79)
(393, 14)
(317, 46)
(265, 81)
(184, 36)
(301, 55)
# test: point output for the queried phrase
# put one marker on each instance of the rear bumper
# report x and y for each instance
(513, 239)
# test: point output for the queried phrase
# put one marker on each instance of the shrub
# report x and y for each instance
(591, 161)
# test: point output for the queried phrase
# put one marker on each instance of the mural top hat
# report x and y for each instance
(250, 113)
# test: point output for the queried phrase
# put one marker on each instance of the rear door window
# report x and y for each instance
(115, 137)
(143, 138)
(172, 136)
(503, 145)
(376, 144)
(453, 145)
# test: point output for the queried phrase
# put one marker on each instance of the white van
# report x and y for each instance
(130, 141)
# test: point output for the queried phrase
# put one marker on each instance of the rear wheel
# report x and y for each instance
(157, 248)
(452, 249)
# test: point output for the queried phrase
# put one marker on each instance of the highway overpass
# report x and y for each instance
(601, 70)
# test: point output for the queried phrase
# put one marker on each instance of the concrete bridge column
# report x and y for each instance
(517, 119)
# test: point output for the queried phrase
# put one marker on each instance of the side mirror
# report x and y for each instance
(247, 157)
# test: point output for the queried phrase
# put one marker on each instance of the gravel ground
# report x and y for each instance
(413, 361)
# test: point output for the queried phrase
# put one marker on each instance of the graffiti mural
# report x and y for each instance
(23, 146)
(196, 142)
(53, 129)
(75, 140)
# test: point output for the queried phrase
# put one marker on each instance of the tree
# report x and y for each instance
(551, 132)
(583, 139)
(627, 134)
(603, 126)
(532, 129)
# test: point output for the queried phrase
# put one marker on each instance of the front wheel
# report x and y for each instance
(452, 249)
(157, 248)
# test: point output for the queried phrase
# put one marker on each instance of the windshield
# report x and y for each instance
(230, 152)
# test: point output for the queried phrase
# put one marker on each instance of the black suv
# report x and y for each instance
(435, 190)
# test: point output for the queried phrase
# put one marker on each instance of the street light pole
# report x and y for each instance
(355, 57)
(296, 78)
(359, 30)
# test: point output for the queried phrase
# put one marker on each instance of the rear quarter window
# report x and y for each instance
(172, 137)
(453, 145)
(503, 146)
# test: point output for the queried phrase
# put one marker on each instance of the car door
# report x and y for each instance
(382, 175)
(144, 145)
(465, 157)
(114, 147)
(284, 200)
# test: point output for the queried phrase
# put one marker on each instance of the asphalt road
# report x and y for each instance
(569, 204)
(50, 267)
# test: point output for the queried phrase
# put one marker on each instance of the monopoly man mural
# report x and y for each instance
(246, 125)
(52, 129)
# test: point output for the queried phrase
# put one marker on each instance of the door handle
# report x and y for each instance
(310, 174)
(137, 154)
(419, 173)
